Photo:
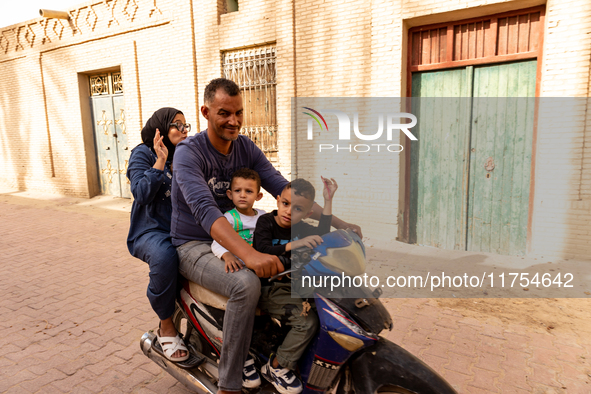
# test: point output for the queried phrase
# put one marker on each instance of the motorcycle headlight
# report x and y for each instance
(346, 341)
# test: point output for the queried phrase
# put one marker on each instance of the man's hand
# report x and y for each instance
(342, 225)
(356, 229)
(264, 265)
(233, 264)
(336, 222)
(310, 241)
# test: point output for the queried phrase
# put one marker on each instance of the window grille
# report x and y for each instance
(117, 83)
(111, 83)
(255, 73)
(99, 85)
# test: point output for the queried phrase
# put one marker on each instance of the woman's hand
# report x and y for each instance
(159, 147)
(161, 151)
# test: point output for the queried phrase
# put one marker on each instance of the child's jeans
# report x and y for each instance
(276, 300)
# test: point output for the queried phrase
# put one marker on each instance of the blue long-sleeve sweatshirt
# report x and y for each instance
(201, 177)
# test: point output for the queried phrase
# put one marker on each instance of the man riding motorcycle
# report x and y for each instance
(202, 168)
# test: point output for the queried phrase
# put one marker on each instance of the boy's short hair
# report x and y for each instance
(302, 187)
(247, 173)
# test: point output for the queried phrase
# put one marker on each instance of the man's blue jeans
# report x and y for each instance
(243, 288)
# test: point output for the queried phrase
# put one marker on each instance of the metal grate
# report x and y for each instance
(99, 85)
(111, 83)
(117, 83)
(255, 73)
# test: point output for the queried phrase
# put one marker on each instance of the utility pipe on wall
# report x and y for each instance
(54, 14)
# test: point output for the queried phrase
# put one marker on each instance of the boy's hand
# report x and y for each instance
(233, 264)
(310, 242)
(330, 187)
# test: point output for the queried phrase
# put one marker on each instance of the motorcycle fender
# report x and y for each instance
(387, 364)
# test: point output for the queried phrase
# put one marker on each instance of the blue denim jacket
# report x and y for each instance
(152, 208)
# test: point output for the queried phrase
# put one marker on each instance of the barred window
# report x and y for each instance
(254, 71)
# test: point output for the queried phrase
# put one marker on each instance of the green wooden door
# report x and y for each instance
(500, 157)
(471, 165)
(439, 161)
(111, 144)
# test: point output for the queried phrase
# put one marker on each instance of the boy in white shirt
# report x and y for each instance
(244, 191)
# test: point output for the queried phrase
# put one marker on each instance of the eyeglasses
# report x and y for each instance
(183, 128)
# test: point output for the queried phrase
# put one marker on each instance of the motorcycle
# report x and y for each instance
(347, 355)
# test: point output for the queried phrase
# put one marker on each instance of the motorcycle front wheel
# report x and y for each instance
(393, 390)
(344, 386)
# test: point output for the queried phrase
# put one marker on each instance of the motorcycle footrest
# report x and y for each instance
(194, 360)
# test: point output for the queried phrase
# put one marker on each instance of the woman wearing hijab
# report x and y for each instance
(150, 175)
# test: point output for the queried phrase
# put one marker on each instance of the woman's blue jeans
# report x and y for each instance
(157, 250)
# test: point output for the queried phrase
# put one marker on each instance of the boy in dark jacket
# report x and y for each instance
(278, 233)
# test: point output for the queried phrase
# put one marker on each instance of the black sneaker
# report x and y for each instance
(250, 376)
(284, 380)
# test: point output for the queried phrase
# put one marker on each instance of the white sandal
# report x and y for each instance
(172, 344)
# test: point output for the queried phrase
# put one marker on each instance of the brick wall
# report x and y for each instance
(44, 119)
(346, 49)
(169, 50)
(25, 147)
(562, 199)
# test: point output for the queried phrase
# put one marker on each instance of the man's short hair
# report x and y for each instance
(230, 88)
(247, 173)
(302, 187)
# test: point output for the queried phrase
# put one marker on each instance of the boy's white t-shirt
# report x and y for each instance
(248, 223)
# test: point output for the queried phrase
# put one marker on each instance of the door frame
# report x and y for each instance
(92, 172)
(404, 233)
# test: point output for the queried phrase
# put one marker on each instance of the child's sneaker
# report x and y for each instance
(284, 380)
(250, 376)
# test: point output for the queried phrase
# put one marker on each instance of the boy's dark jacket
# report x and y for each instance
(271, 238)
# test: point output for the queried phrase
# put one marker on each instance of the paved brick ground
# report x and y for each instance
(73, 308)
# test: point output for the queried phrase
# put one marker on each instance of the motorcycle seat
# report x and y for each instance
(210, 298)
